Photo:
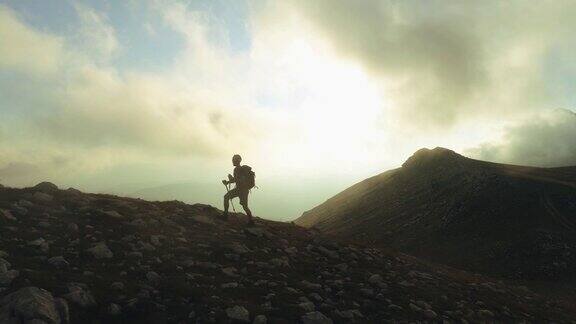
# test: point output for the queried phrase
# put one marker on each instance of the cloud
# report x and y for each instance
(90, 114)
(546, 139)
(96, 37)
(25, 49)
(444, 62)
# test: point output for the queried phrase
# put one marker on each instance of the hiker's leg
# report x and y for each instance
(247, 210)
(226, 203)
(229, 195)
(244, 202)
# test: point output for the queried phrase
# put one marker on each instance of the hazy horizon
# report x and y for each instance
(153, 98)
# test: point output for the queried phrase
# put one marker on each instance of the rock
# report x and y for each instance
(347, 314)
(73, 192)
(260, 319)
(153, 277)
(113, 309)
(485, 314)
(315, 318)
(63, 310)
(112, 214)
(46, 187)
(291, 250)
(79, 294)
(117, 285)
(42, 197)
(19, 210)
(257, 232)
(311, 286)
(3, 254)
(430, 314)
(307, 306)
(58, 262)
(229, 285)
(277, 262)
(72, 227)
(4, 266)
(239, 248)
(203, 219)
(135, 255)
(6, 214)
(41, 244)
(31, 305)
(101, 251)
(44, 224)
(7, 277)
(230, 271)
(238, 313)
(328, 253)
(375, 279)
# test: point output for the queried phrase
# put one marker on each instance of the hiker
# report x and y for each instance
(244, 178)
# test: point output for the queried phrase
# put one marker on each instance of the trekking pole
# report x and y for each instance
(231, 201)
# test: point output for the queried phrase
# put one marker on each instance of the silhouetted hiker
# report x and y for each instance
(244, 178)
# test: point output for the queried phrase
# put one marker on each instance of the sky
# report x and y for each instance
(152, 98)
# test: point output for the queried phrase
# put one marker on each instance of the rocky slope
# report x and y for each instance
(514, 221)
(71, 257)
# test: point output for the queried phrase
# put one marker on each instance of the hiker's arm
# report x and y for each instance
(231, 179)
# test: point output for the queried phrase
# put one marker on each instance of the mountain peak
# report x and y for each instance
(425, 156)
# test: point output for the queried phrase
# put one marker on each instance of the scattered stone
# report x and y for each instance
(58, 262)
(31, 305)
(316, 318)
(113, 309)
(42, 197)
(485, 314)
(153, 277)
(7, 277)
(6, 214)
(79, 294)
(375, 279)
(101, 251)
(72, 227)
(117, 285)
(238, 313)
(46, 187)
(260, 319)
(307, 306)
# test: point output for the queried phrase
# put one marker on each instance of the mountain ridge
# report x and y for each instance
(444, 206)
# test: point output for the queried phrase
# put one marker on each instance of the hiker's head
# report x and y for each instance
(236, 159)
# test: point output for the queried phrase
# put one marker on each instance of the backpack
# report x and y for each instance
(248, 180)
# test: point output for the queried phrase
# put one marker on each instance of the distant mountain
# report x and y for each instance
(275, 199)
(494, 218)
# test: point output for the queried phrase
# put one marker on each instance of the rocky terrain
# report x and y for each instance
(71, 257)
(502, 220)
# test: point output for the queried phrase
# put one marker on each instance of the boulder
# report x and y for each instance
(7, 215)
(42, 197)
(58, 262)
(101, 251)
(4, 265)
(32, 305)
(316, 318)
(79, 294)
(46, 187)
(238, 313)
(7, 277)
